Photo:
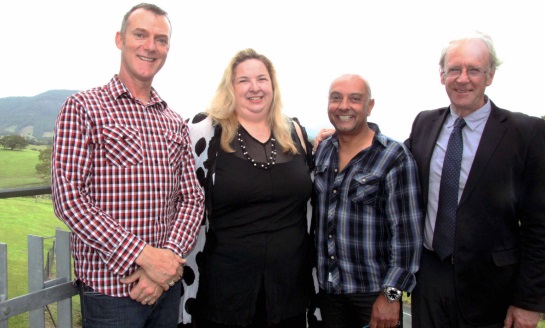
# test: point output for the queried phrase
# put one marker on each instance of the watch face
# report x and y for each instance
(394, 297)
(392, 294)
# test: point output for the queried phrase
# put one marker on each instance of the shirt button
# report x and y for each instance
(332, 257)
(334, 191)
(330, 236)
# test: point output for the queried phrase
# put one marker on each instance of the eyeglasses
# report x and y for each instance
(473, 73)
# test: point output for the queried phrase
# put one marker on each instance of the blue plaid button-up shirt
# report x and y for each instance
(368, 218)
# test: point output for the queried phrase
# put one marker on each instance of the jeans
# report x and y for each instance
(99, 310)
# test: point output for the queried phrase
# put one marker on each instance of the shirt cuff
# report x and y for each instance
(126, 254)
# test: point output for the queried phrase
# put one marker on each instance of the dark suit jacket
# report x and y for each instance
(499, 249)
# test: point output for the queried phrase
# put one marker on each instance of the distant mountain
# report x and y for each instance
(32, 117)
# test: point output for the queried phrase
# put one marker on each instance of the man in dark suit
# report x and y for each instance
(484, 265)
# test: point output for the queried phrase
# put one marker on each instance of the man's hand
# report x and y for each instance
(385, 314)
(321, 136)
(520, 318)
(161, 265)
(146, 291)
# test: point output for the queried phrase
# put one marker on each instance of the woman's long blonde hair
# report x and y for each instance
(222, 107)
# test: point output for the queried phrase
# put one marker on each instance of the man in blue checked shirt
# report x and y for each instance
(369, 218)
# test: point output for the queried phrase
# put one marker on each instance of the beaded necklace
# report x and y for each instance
(272, 158)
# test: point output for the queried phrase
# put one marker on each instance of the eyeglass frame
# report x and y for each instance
(470, 72)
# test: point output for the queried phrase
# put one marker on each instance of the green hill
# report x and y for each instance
(32, 117)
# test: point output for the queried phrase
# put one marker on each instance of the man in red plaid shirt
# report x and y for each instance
(123, 180)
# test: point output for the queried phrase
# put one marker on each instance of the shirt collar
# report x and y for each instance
(118, 90)
(474, 119)
(378, 135)
(334, 139)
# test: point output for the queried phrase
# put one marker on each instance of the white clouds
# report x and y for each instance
(395, 44)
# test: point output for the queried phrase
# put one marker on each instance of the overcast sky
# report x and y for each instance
(394, 44)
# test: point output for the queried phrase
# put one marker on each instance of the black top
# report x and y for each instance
(257, 235)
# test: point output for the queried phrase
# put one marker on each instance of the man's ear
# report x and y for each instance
(490, 77)
(119, 40)
(370, 106)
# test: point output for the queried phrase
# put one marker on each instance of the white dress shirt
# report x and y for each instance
(471, 135)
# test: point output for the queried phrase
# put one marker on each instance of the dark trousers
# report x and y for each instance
(103, 311)
(433, 301)
(295, 322)
(348, 310)
(259, 320)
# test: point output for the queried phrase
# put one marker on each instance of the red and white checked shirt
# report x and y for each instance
(123, 176)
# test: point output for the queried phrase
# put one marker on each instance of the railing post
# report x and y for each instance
(3, 278)
(36, 277)
(41, 291)
(64, 269)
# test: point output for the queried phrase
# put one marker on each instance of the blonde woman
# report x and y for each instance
(255, 269)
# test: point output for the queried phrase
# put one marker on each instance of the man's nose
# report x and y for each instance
(149, 44)
(344, 103)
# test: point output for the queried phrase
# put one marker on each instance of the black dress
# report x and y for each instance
(257, 237)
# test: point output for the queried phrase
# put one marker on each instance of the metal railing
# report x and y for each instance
(41, 292)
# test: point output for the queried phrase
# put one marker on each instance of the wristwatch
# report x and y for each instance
(392, 294)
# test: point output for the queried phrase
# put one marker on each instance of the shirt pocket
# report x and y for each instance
(122, 146)
(364, 188)
(175, 143)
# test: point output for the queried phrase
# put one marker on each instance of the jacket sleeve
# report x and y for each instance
(530, 286)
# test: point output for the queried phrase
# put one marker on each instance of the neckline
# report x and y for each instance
(271, 159)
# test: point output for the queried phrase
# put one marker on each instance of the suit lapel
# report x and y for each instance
(435, 126)
(492, 135)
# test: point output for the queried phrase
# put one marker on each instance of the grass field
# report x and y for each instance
(20, 217)
(17, 168)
